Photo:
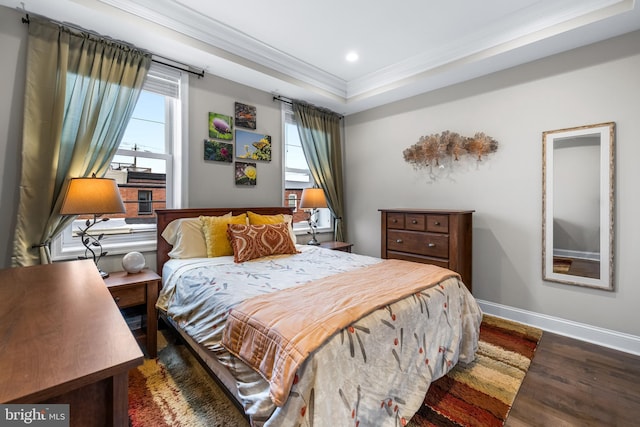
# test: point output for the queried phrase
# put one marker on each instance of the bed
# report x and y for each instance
(372, 369)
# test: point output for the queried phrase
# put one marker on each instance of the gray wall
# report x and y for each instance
(591, 85)
(208, 183)
(212, 183)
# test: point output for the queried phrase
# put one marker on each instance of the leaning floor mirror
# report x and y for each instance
(578, 206)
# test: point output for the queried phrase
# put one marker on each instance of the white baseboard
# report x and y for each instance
(580, 331)
(593, 256)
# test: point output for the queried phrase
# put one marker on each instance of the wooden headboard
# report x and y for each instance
(165, 216)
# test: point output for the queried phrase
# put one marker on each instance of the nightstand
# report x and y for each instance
(138, 290)
(337, 246)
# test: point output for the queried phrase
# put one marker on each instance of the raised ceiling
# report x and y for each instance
(297, 48)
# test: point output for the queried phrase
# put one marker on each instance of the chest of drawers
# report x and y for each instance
(438, 237)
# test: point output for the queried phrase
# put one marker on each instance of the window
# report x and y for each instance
(292, 199)
(297, 176)
(144, 202)
(147, 168)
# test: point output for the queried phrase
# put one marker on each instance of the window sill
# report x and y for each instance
(120, 249)
(307, 230)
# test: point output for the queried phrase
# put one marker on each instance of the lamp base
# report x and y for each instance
(313, 242)
(104, 274)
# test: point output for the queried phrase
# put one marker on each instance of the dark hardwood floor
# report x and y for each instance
(574, 383)
(576, 267)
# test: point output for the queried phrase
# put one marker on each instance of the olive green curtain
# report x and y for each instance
(80, 92)
(319, 131)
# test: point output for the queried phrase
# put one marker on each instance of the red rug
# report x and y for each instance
(481, 393)
(174, 390)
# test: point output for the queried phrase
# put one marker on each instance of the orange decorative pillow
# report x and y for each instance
(257, 241)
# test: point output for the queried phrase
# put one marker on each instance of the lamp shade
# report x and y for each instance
(92, 196)
(313, 198)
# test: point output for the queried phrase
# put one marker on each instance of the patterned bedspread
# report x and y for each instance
(374, 373)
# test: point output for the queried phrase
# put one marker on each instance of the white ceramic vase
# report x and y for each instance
(133, 262)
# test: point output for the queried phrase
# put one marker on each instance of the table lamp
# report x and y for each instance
(92, 196)
(313, 199)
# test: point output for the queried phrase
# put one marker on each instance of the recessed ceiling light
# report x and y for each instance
(352, 56)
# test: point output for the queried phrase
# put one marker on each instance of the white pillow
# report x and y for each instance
(187, 238)
(289, 220)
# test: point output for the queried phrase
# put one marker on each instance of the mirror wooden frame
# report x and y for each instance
(606, 133)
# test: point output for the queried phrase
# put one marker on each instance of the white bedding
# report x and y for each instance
(376, 372)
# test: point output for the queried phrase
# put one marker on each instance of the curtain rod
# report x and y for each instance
(185, 68)
(282, 99)
(200, 74)
(290, 102)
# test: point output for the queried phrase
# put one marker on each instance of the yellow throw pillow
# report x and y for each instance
(257, 219)
(215, 233)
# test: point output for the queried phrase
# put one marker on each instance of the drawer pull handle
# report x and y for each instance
(414, 222)
(399, 241)
(431, 245)
(394, 221)
(437, 222)
(117, 299)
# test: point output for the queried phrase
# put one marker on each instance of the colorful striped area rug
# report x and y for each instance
(175, 391)
(481, 393)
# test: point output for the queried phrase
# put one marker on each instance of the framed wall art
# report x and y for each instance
(220, 126)
(246, 173)
(218, 151)
(253, 146)
(245, 116)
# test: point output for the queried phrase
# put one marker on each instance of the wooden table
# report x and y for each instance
(337, 246)
(63, 340)
(138, 289)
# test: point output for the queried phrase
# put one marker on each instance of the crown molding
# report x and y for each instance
(448, 63)
(480, 46)
(240, 46)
